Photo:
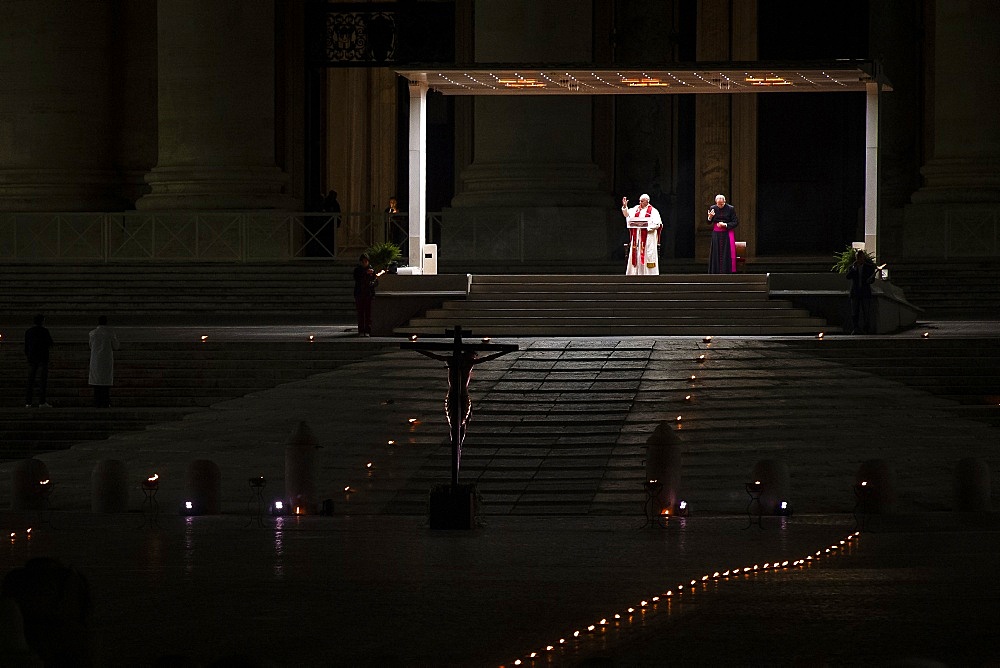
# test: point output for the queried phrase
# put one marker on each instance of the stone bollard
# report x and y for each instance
(775, 484)
(109, 487)
(972, 485)
(663, 464)
(878, 494)
(300, 470)
(26, 492)
(204, 481)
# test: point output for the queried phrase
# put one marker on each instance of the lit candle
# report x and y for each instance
(391, 442)
(707, 339)
(413, 337)
(687, 397)
(820, 335)
(701, 358)
(311, 338)
(204, 338)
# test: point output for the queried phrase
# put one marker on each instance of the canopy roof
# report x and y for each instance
(727, 78)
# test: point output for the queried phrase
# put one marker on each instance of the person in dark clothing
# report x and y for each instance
(861, 275)
(37, 342)
(722, 254)
(364, 294)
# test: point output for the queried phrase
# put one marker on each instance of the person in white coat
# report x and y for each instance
(103, 344)
(644, 231)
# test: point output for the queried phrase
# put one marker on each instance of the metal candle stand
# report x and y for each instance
(754, 490)
(255, 504)
(150, 506)
(457, 503)
(650, 507)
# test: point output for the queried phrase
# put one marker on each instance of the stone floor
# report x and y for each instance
(556, 445)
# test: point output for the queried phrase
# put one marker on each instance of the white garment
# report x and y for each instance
(103, 343)
(647, 255)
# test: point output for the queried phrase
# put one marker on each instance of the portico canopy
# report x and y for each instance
(727, 78)
(697, 78)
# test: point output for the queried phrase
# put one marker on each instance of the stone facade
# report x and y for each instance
(186, 106)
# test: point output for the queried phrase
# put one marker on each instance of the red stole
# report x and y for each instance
(640, 253)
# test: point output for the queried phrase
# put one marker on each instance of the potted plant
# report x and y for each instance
(383, 254)
(845, 259)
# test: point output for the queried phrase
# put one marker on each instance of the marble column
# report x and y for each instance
(55, 117)
(532, 174)
(743, 109)
(726, 124)
(216, 101)
(955, 214)
(713, 158)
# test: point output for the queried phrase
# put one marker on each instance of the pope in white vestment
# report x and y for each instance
(644, 226)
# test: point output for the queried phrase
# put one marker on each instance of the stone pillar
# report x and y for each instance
(955, 214)
(109, 487)
(55, 106)
(300, 470)
(775, 484)
(532, 175)
(744, 129)
(204, 483)
(663, 465)
(361, 140)
(216, 107)
(726, 125)
(712, 158)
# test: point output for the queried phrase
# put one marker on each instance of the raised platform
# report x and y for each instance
(589, 305)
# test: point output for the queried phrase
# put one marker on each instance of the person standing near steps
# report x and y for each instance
(103, 344)
(37, 342)
(722, 254)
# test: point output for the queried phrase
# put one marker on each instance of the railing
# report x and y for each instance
(203, 236)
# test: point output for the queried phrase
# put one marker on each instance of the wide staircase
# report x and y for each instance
(602, 305)
(963, 290)
(179, 293)
(154, 382)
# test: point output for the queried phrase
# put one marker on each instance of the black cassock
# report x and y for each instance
(722, 254)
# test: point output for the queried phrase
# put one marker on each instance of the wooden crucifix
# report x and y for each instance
(460, 357)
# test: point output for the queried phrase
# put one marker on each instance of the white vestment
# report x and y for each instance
(103, 343)
(641, 258)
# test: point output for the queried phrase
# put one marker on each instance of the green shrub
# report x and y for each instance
(382, 254)
(845, 259)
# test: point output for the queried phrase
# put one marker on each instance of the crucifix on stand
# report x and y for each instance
(453, 506)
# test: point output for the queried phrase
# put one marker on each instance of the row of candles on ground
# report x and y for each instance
(14, 535)
(152, 484)
(370, 466)
(621, 620)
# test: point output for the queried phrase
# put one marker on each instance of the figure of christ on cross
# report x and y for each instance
(457, 403)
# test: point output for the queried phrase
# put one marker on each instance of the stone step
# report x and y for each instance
(616, 305)
(649, 312)
(176, 379)
(554, 329)
(263, 292)
(617, 279)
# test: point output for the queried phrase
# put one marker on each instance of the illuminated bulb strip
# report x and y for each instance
(645, 604)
